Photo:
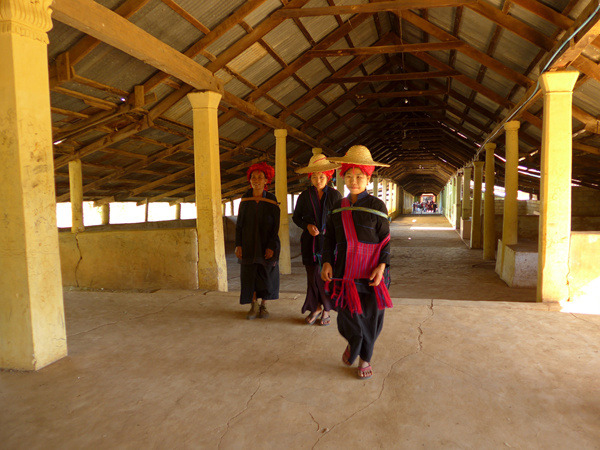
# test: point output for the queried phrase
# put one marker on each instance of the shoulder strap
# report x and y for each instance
(259, 199)
(358, 208)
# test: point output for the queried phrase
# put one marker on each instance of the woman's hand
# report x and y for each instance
(377, 275)
(238, 252)
(326, 272)
(268, 253)
(313, 230)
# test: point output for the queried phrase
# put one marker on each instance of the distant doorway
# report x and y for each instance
(425, 204)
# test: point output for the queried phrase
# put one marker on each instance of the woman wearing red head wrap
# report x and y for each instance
(257, 242)
(310, 214)
(356, 257)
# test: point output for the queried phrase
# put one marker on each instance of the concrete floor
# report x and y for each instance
(184, 369)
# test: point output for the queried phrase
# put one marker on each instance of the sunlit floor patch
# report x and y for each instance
(431, 228)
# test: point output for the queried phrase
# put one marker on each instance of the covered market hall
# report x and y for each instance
(126, 332)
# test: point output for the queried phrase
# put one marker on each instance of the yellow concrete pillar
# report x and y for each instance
(146, 210)
(285, 262)
(76, 193)
(375, 181)
(466, 203)
(458, 203)
(384, 191)
(178, 211)
(105, 212)
(510, 219)
(212, 267)
(476, 212)
(555, 186)
(32, 323)
(489, 231)
(339, 182)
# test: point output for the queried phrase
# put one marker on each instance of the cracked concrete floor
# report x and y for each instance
(184, 369)
(180, 369)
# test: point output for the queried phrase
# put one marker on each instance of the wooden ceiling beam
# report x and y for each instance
(534, 93)
(302, 60)
(88, 43)
(393, 77)
(102, 23)
(511, 24)
(402, 94)
(368, 8)
(468, 50)
(383, 49)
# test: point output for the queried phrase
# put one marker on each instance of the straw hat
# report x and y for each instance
(360, 155)
(318, 163)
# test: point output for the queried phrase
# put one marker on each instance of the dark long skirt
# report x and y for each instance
(315, 291)
(260, 279)
(361, 330)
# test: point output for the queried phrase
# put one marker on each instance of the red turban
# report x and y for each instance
(264, 168)
(328, 174)
(367, 170)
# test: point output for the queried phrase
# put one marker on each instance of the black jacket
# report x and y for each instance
(257, 229)
(369, 227)
(312, 211)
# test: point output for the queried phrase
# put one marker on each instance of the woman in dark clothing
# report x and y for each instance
(310, 214)
(257, 242)
(356, 257)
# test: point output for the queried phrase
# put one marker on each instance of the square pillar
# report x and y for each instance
(375, 180)
(466, 194)
(457, 204)
(212, 267)
(476, 211)
(32, 321)
(105, 212)
(76, 194)
(285, 261)
(339, 182)
(510, 219)
(489, 207)
(555, 186)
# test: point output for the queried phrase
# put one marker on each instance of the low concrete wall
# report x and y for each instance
(130, 259)
(584, 273)
(517, 264)
(229, 230)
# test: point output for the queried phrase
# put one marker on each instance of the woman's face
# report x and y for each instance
(318, 180)
(258, 181)
(356, 181)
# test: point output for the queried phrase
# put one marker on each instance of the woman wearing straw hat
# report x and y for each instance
(356, 257)
(310, 214)
(257, 242)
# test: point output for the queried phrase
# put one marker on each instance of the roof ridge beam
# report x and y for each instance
(368, 8)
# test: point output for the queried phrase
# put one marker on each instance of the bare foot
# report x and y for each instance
(312, 317)
(365, 371)
(346, 356)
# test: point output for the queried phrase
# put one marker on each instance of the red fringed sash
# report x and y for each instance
(361, 259)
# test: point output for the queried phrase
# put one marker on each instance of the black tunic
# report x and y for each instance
(312, 211)
(256, 230)
(360, 330)
(369, 227)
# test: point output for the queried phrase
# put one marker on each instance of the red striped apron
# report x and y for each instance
(361, 260)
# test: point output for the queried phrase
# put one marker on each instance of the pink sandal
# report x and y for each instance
(346, 356)
(363, 371)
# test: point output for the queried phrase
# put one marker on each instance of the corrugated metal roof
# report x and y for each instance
(314, 72)
(166, 25)
(210, 13)
(287, 92)
(288, 41)
(264, 69)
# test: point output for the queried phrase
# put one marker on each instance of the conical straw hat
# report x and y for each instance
(318, 163)
(360, 155)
